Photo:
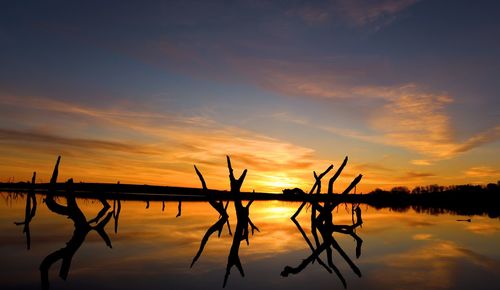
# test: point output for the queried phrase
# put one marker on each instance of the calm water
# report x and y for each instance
(153, 249)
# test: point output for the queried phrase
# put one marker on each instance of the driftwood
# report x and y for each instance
(243, 222)
(30, 212)
(82, 228)
(218, 225)
(323, 228)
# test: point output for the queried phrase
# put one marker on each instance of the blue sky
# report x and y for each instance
(408, 89)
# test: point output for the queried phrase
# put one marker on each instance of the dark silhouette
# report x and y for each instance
(117, 207)
(433, 199)
(323, 228)
(293, 192)
(243, 222)
(218, 225)
(179, 209)
(29, 213)
(82, 228)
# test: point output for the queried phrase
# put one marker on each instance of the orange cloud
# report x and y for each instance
(162, 150)
(482, 171)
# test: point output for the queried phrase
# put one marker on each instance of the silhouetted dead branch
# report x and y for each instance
(243, 225)
(323, 228)
(82, 228)
(30, 212)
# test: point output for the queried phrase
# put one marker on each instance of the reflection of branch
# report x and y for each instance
(30, 212)
(326, 228)
(322, 226)
(243, 221)
(243, 224)
(217, 226)
(310, 244)
(179, 209)
(117, 207)
(102, 212)
(82, 228)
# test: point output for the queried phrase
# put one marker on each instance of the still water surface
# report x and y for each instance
(145, 246)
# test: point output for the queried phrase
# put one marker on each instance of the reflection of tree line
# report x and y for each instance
(322, 226)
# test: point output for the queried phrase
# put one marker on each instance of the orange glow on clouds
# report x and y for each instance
(144, 147)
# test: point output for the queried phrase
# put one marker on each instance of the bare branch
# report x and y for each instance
(334, 177)
(55, 173)
(353, 184)
(203, 183)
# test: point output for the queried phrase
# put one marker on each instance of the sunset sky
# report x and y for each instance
(139, 91)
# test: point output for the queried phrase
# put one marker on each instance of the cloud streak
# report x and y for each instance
(14, 136)
(407, 117)
(352, 12)
(168, 146)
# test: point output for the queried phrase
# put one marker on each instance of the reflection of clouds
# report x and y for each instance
(419, 223)
(410, 218)
(486, 228)
(152, 245)
(422, 237)
(150, 235)
(433, 266)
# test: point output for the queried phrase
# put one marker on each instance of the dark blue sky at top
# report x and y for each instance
(98, 52)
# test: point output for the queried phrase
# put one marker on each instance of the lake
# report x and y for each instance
(151, 245)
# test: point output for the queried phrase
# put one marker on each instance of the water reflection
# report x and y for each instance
(29, 213)
(400, 246)
(154, 253)
(323, 228)
(82, 227)
(243, 222)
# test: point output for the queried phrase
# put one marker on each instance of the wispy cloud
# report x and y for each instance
(364, 12)
(418, 175)
(169, 145)
(421, 162)
(419, 121)
(482, 171)
(407, 117)
(351, 12)
(14, 136)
